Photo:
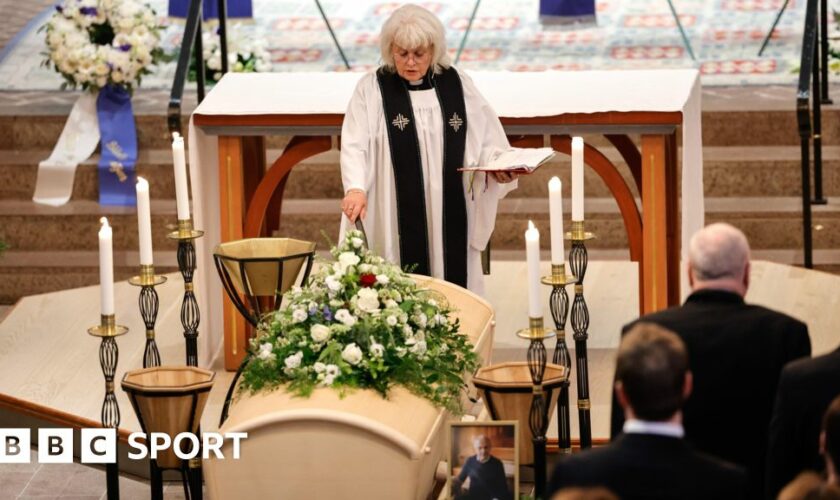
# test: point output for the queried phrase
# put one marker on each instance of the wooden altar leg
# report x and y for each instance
(672, 191)
(630, 153)
(299, 149)
(655, 215)
(253, 164)
(231, 205)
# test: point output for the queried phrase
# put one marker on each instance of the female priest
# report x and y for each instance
(409, 127)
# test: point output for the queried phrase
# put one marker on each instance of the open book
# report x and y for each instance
(520, 160)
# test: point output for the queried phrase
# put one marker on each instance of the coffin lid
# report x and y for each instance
(409, 421)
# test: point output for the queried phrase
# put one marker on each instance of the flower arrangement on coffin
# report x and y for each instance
(94, 43)
(246, 54)
(361, 322)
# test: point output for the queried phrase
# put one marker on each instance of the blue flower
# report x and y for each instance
(125, 47)
(89, 11)
(327, 314)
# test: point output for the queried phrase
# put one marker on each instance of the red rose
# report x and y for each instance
(367, 279)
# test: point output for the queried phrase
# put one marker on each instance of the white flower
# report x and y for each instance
(319, 333)
(299, 315)
(390, 304)
(320, 367)
(368, 300)
(391, 320)
(382, 279)
(421, 320)
(407, 331)
(377, 350)
(328, 374)
(345, 317)
(352, 354)
(419, 348)
(347, 259)
(356, 242)
(332, 283)
(266, 352)
(364, 268)
(294, 360)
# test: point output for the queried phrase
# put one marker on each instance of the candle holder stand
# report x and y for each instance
(538, 416)
(190, 315)
(578, 261)
(149, 304)
(108, 331)
(558, 303)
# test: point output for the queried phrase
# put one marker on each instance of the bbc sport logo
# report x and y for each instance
(99, 446)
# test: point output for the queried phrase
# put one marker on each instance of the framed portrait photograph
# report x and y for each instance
(484, 460)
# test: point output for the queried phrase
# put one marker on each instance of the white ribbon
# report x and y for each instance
(77, 142)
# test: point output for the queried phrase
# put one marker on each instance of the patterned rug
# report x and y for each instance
(725, 36)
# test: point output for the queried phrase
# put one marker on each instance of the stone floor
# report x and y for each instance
(70, 481)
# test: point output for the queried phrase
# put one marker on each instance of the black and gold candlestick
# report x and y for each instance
(108, 330)
(578, 261)
(538, 416)
(190, 316)
(149, 304)
(558, 303)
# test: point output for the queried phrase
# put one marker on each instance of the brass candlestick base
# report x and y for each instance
(535, 330)
(149, 304)
(190, 315)
(185, 231)
(107, 327)
(578, 233)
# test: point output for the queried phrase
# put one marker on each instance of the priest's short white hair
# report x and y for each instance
(412, 27)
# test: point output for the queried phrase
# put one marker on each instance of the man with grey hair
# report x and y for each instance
(736, 352)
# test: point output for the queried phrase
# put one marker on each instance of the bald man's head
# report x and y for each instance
(719, 258)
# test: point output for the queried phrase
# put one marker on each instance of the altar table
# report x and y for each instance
(234, 196)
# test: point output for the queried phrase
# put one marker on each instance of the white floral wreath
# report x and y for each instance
(93, 43)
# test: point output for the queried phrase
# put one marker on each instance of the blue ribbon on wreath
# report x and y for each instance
(118, 147)
(567, 11)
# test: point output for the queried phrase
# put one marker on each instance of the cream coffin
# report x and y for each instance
(361, 446)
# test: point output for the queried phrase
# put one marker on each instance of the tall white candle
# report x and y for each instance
(577, 178)
(532, 250)
(555, 211)
(182, 194)
(106, 268)
(144, 221)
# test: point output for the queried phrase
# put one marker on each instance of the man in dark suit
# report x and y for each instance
(736, 352)
(806, 388)
(650, 459)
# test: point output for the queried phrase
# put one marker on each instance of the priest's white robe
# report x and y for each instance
(366, 165)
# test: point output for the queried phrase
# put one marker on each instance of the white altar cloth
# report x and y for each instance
(512, 95)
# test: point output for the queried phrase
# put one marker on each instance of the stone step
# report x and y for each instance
(768, 222)
(19, 173)
(27, 226)
(25, 273)
(737, 171)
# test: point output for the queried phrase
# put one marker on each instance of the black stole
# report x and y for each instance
(408, 173)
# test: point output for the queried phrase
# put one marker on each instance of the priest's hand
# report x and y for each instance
(354, 204)
(504, 177)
